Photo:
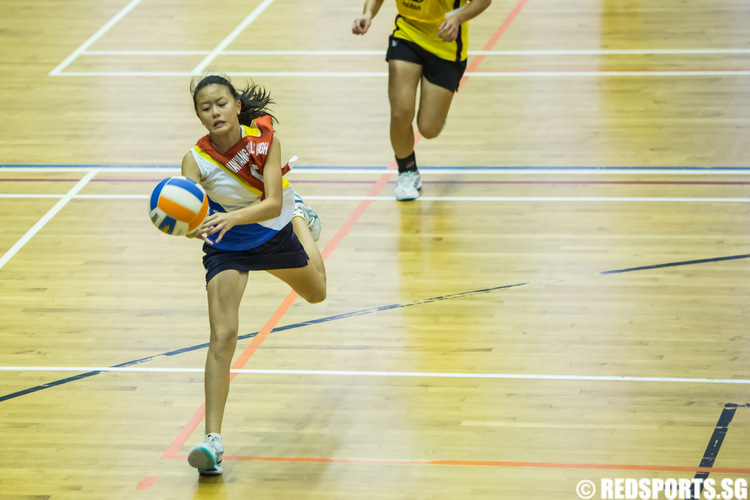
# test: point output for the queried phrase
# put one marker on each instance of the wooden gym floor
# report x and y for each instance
(567, 301)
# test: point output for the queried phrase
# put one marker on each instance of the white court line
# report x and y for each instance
(347, 373)
(354, 53)
(530, 199)
(146, 53)
(46, 218)
(606, 52)
(147, 74)
(424, 171)
(375, 74)
(115, 196)
(66, 169)
(305, 53)
(544, 199)
(610, 73)
(534, 199)
(195, 72)
(427, 171)
(31, 196)
(85, 45)
(230, 38)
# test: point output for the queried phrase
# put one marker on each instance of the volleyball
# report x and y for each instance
(177, 206)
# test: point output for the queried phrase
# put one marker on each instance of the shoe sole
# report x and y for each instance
(201, 458)
(214, 471)
(407, 198)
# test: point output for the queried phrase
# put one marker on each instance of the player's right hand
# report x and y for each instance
(200, 236)
(361, 25)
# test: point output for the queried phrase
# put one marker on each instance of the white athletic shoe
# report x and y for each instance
(408, 186)
(310, 216)
(206, 456)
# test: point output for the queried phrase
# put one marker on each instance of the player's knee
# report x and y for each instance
(315, 296)
(223, 339)
(402, 116)
(429, 130)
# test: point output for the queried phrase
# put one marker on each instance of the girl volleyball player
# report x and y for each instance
(257, 222)
(428, 47)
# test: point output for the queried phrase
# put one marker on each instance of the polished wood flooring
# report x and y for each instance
(566, 302)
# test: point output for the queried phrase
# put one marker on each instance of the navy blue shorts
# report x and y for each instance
(441, 72)
(283, 251)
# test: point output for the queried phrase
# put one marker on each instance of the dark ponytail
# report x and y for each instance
(254, 98)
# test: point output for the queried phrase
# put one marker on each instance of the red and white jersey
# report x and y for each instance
(234, 180)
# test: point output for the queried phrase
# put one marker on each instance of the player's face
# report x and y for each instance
(217, 109)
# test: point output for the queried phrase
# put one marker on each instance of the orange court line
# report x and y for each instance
(147, 483)
(491, 463)
(493, 39)
(186, 432)
(263, 333)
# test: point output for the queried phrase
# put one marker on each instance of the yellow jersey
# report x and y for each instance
(418, 21)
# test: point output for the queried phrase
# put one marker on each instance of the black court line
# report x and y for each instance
(362, 312)
(714, 445)
(253, 334)
(675, 264)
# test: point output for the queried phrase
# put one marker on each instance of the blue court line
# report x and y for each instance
(714, 444)
(104, 166)
(342, 316)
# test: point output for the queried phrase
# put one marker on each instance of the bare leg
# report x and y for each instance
(434, 104)
(225, 292)
(403, 79)
(309, 281)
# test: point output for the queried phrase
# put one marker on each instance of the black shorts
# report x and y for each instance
(441, 72)
(282, 251)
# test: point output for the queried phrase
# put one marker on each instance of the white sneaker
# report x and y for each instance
(408, 186)
(206, 457)
(310, 216)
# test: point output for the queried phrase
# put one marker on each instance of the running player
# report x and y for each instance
(428, 47)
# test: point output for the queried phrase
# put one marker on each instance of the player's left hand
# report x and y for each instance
(448, 31)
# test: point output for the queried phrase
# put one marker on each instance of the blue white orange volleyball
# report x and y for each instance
(178, 206)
